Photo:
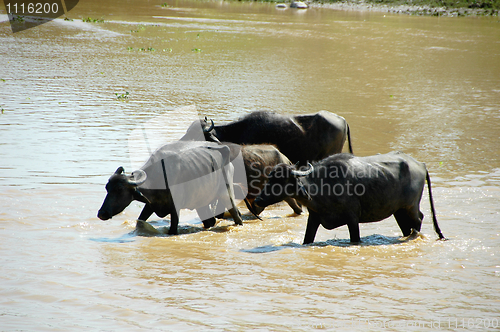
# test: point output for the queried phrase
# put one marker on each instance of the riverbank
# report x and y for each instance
(412, 7)
(418, 7)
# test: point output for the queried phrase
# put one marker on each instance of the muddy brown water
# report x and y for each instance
(427, 86)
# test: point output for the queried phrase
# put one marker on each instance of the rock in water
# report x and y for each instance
(143, 228)
(299, 5)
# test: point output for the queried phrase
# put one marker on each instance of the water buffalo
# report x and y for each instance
(259, 160)
(180, 175)
(302, 138)
(347, 190)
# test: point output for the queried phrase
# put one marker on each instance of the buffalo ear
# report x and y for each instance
(138, 196)
(138, 176)
(119, 170)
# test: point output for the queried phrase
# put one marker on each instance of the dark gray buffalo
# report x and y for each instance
(348, 190)
(301, 138)
(259, 160)
(180, 175)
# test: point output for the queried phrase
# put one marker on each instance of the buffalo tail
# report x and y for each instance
(251, 209)
(434, 220)
(349, 139)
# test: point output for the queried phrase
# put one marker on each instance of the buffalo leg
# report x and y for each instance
(293, 204)
(353, 226)
(174, 223)
(313, 223)
(421, 218)
(408, 220)
(236, 215)
(210, 222)
(206, 216)
(146, 212)
(233, 210)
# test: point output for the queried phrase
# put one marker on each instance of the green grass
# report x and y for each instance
(93, 20)
(122, 97)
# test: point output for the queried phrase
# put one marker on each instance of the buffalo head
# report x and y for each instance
(283, 181)
(122, 190)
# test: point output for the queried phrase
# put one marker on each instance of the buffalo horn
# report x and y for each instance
(211, 127)
(119, 170)
(138, 177)
(303, 173)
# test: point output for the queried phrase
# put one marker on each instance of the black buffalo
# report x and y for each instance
(347, 190)
(301, 138)
(259, 160)
(180, 175)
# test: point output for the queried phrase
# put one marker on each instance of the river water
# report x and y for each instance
(427, 86)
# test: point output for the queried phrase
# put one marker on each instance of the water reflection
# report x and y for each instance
(371, 240)
(427, 86)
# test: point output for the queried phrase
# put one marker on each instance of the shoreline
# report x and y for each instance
(407, 9)
(423, 10)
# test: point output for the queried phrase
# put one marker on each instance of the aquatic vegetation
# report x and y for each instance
(93, 20)
(142, 49)
(123, 96)
(167, 50)
(140, 27)
(164, 4)
(68, 19)
(197, 50)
